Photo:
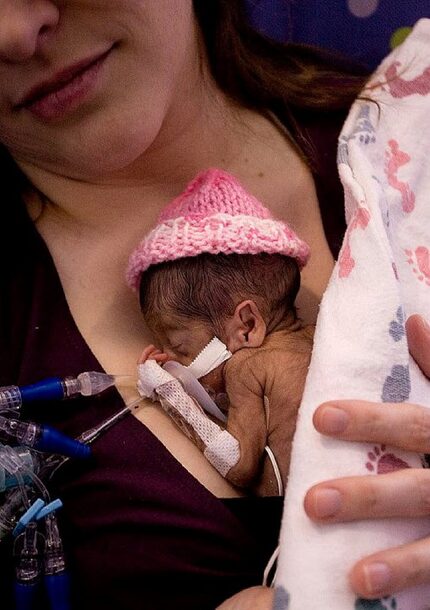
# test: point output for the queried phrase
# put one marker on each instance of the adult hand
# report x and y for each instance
(404, 493)
(255, 598)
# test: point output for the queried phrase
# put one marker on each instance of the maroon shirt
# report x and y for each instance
(139, 530)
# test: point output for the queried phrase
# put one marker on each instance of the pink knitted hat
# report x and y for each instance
(216, 215)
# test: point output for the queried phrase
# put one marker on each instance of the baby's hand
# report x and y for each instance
(153, 353)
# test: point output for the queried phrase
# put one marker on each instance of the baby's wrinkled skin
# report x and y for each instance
(264, 386)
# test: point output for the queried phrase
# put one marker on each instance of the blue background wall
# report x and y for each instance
(363, 29)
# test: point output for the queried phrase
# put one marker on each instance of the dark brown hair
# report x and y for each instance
(265, 75)
(208, 287)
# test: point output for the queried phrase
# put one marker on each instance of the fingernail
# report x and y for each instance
(425, 325)
(333, 420)
(377, 576)
(327, 502)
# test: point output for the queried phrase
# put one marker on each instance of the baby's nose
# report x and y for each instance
(24, 26)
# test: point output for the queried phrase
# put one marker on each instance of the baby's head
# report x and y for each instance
(238, 298)
(217, 263)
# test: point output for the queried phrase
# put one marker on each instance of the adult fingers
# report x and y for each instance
(404, 493)
(405, 426)
(418, 333)
(392, 570)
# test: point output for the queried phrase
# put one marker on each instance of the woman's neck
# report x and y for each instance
(206, 137)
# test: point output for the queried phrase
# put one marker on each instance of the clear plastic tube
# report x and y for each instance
(194, 388)
(40, 437)
(27, 568)
(88, 383)
(11, 510)
(10, 397)
(26, 551)
(12, 464)
(57, 581)
(30, 463)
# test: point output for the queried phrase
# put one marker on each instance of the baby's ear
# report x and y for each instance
(246, 328)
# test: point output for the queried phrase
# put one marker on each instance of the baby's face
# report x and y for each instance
(181, 338)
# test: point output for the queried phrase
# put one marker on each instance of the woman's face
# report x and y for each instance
(87, 85)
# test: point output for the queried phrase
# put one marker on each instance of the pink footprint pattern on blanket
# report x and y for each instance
(419, 259)
(381, 462)
(360, 220)
(400, 87)
(394, 160)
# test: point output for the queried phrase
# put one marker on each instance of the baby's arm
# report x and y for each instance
(153, 353)
(247, 423)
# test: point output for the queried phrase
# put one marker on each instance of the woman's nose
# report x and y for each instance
(24, 26)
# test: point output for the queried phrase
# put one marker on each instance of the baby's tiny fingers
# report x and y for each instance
(393, 570)
(405, 426)
(160, 357)
(146, 353)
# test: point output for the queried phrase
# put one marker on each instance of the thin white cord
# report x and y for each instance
(275, 554)
(275, 470)
(269, 566)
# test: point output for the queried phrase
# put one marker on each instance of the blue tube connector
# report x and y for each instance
(57, 587)
(88, 383)
(53, 441)
(43, 438)
(25, 595)
(49, 389)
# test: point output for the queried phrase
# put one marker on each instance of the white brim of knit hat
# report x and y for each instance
(218, 233)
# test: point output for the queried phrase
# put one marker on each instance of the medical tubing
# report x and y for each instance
(9, 462)
(53, 441)
(16, 430)
(90, 435)
(29, 463)
(28, 568)
(11, 510)
(43, 438)
(58, 590)
(56, 579)
(194, 388)
(10, 397)
(51, 465)
(35, 480)
(88, 383)
(48, 389)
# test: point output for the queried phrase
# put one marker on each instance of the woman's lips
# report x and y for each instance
(63, 96)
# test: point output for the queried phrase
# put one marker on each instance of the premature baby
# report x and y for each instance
(217, 264)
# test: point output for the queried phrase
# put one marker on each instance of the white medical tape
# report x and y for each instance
(211, 356)
(150, 377)
(223, 452)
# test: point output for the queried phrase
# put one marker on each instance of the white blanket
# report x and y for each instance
(382, 276)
